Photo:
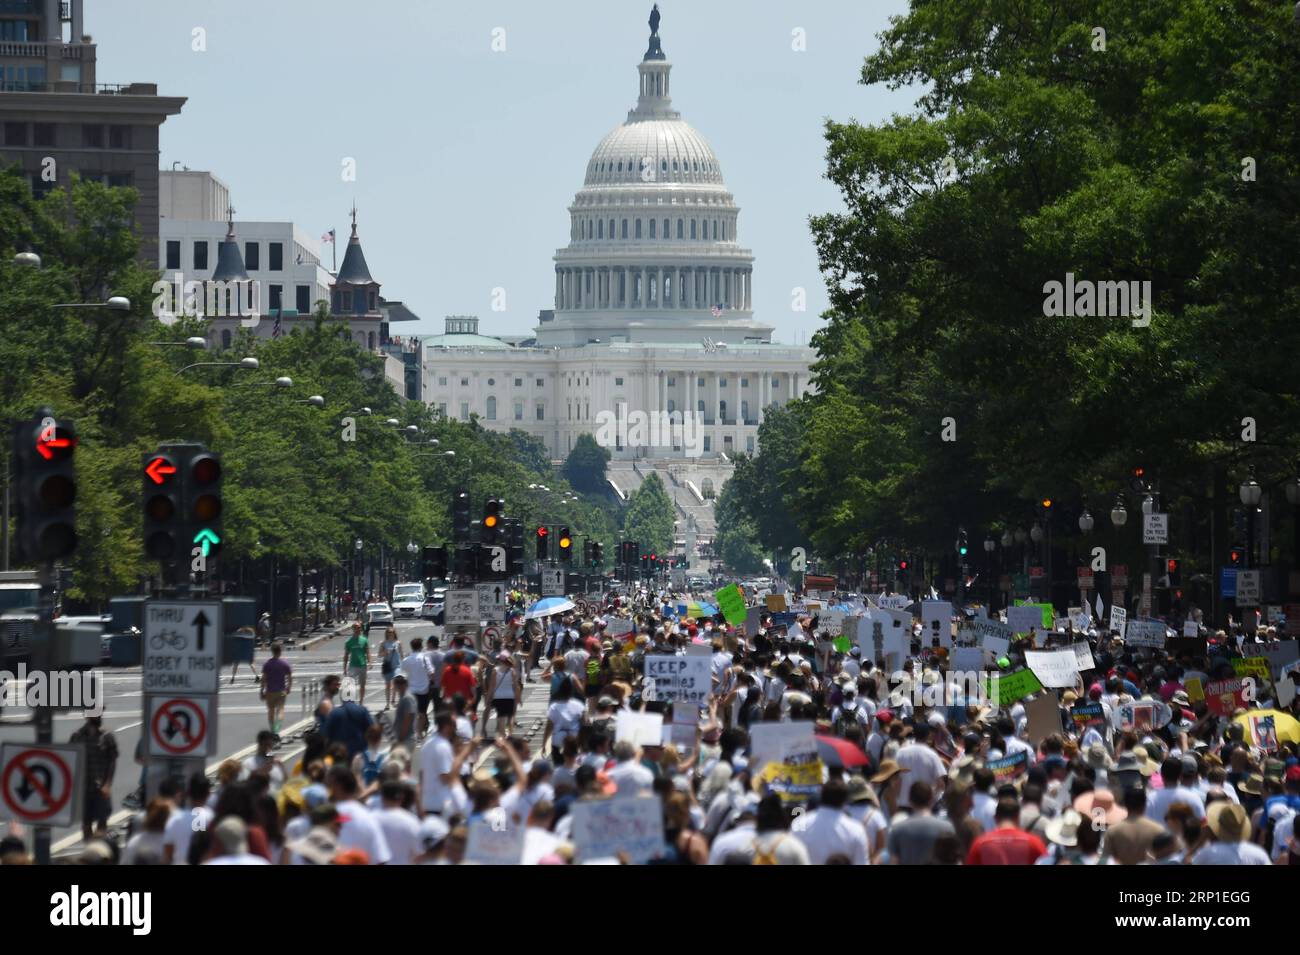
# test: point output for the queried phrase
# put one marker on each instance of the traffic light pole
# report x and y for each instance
(44, 718)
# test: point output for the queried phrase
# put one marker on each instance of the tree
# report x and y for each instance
(649, 517)
(585, 466)
(737, 539)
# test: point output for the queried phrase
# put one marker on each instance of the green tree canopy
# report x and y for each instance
(585, 466)
(649, 516)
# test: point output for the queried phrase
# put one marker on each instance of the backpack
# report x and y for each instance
(620, 666)
(370, 768)
(766, 856)
(593, 671)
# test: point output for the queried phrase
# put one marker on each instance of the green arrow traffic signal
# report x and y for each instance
(206, 538)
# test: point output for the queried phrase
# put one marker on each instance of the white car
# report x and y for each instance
(378, 615)
(408, 599)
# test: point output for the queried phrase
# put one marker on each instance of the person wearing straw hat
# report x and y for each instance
(1230, 830)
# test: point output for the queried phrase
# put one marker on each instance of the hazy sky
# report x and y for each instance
(467, 159)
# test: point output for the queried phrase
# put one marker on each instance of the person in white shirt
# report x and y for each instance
(1171, 771)
(922, 763)
(761, 835)
(1230, 827)
(182, 826)
(629, 775)
(539, 841)
(436, 759)
(828, 830)
(400, 826)
(360, 829)
(418, 673)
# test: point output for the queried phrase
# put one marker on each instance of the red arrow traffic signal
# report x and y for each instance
(159, 469)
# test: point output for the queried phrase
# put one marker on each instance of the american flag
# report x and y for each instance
(717, 311)
(328, 237)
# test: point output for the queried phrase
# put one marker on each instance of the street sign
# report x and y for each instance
(552, 581)
(461, 608)
(1248, 588)
(180, 726)
(182, 647)
(1227, 581)
(1155, 529)
(40, 783)
(492, 601)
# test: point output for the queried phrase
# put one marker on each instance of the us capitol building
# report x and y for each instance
(653, 314)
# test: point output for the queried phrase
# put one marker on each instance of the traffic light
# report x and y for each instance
(962, 547)
(543, 543)
(465, 562)
(586, 553)
(460, 515)
(202, 490)
(491, 521)
(46, 482)
(902, 566)
(433, 563)
(597, 557)
(1171, 568)
(515, 537)
(631, 553)
(566, 545)
(1138, 479)
(164, 527)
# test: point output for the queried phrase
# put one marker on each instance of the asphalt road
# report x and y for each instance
(240, 714)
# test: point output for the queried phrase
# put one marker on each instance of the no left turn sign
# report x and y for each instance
(178, 726)
(39, 783)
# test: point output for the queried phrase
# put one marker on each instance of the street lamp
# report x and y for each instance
(316, 401)
(1250, 493)
(29, 259)
(392, 423)
(1149, 505)
(247, 364)
(1086, 522)
(1007, 538)
(118, 303)
(1036, 532)
(364, 411)
(1118, 516)
(195, 342)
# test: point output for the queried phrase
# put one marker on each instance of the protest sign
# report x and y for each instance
(753, 621)
(602, 828)
(1118, 619)
(491, 843)
(1145, 633)
(1281, 652)
(1023, 618)
(640, 729)
(1135, 716)
(779, 742)
(1054, 668)
(893, 601)
(967, 659)
(1044, 718)
(993, 635)
(796, 778)
(1047, 613)
(1252, 666)
(1285, 693)
(1006, 688)
(1195, 689)
(1263, 730)
(1081, 620)
(1083, 656)
(732, 604)
(1191, 628)
(1009, 767)
(1225, 697)
(1087, 714)
(685, 678)
(936, 618)
(776, 603)
(832, 621)
(617, 626)
(842, 644)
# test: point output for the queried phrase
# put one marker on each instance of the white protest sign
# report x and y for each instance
(602, 828)
(1023, 619)
(1118, 619)
(776, 742)
(639, 729)
(1054, 668)
(617, 626)
(993, 635)
(1145, 633)
(1191, 628)
(687, 679)
(1081, 620)
(893, 601)
(832, 621)
(491, 843)
(1083, 656)
(936, 616)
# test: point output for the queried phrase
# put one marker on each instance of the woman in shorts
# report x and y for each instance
(390, 655)
(504, 690)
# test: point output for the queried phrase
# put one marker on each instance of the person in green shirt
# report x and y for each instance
(356, 660)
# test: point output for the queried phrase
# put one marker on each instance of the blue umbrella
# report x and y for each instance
(548, 606)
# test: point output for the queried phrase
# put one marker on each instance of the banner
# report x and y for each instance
(1009, 767)
(1023, 618)
(1006, 688)
(684, 679)
(493, 844)
(1145, 633)
(602, 828)
(1055, 669)
(732, 604)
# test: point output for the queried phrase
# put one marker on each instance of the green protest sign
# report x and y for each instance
(842, 644)
(732, 604)
(1006, 688)
(1049, 614)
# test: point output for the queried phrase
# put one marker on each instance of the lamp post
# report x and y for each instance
(1250, 493)
(244, 364)
(118, 303)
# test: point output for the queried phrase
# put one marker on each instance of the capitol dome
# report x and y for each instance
(653, 254)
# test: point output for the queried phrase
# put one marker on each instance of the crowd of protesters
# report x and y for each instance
(916, 781)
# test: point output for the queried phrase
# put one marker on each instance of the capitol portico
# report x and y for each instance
(653, 309)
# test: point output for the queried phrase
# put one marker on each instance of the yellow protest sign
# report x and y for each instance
(1195, 690)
